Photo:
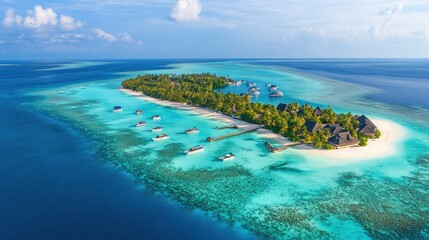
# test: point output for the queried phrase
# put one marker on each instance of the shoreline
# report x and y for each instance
(376, 148)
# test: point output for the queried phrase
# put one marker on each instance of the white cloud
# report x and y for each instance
(11, 19)
(125, 37)
(69, 23)
(40, 17)
(186, 11)
(320, 33)
(104, 35)
(388, 14)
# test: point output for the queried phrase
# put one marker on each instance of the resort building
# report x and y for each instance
(365, 126)
(343, 139)
(312, 126)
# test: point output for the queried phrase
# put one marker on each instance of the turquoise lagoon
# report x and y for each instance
(287, 195)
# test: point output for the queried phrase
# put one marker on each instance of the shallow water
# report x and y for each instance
(291, 194)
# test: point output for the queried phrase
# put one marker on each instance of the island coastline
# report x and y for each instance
(383, 147)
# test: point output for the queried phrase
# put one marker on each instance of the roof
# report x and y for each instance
(282, 107)
(365, 125)
(318, 112)
(333, 128)
(311, 126)
(343, 139)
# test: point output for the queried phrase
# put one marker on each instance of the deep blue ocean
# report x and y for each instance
(53, 186)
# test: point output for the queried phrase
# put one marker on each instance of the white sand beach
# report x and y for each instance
(379, 148)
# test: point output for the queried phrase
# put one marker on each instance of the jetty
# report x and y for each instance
(273, 149)
(227, 126)
(210, 139)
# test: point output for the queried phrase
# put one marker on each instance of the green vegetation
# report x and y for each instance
(199, 90)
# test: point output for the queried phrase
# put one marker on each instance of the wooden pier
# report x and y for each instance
(227, 126)
(210, 139)
(284, 147)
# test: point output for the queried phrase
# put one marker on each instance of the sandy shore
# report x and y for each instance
(383, 147)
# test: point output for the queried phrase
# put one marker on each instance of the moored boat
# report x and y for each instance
(268, 85)
(197, 148)
(273, 88)
(253, 89)
(139, 112)
(157, 129)
(140, 124)
(276, 94)
(156, 117)
(161, 137)
(256, 93)
(117, 109)
(226, 157)
(192, 130)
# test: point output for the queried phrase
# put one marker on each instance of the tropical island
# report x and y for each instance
(321, 128)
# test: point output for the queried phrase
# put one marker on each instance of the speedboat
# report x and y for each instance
(140, 124)
(253, 89)
(226, 157)
(117, 109)
(192, 130)
(157, 129)
(273, 88)
(195, 149)
(160, 137)
(139, 112)
(276, 94)
(156, 117)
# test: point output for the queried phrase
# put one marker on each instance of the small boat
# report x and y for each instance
(256, 93)
(157, 129)
(268, 85)
(276, 94)
(139, 112)
(140, 124)
(253, 89)
(195, 149)
(251, 84)
(156, 117)
(117, 109)
(273, 88)
(192, 130)
(160, 137)
(226, 157)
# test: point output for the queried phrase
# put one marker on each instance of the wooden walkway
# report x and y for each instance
(227, 126)
(284, 147)
(210, 139)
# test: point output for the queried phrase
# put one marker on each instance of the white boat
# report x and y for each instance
(256, 93)
(227, 157)
(251, 84)
(268, 85)
(139, 112)
(276, 94)
(156, 117)
(195, 149)
(117, 109)
(161, 137)
(192, 130)
(157, 129)
(253, 89)
(273, 88)
(140, 124)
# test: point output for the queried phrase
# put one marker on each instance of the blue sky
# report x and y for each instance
(213, 29)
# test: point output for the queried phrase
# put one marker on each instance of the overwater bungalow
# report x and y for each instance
(365, 126)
